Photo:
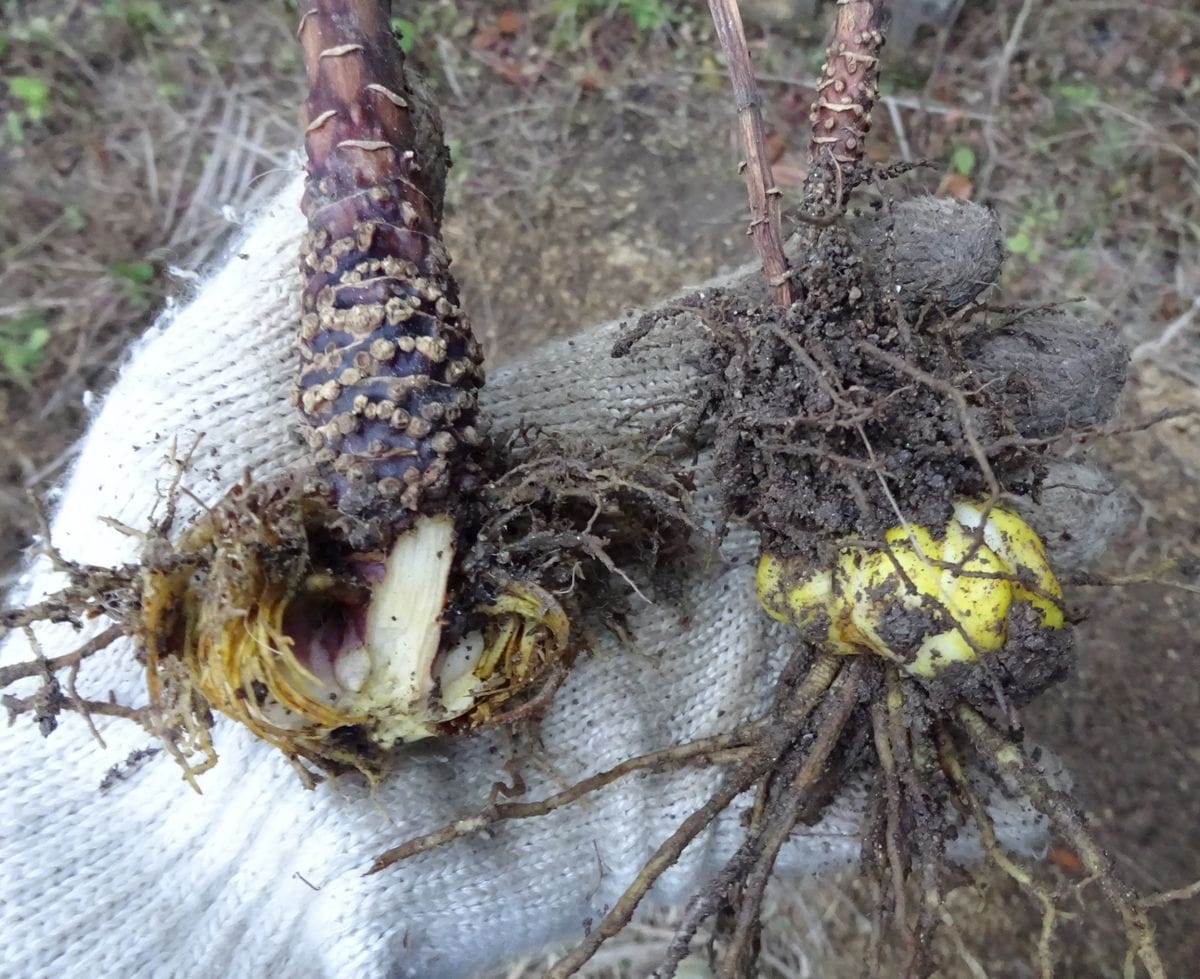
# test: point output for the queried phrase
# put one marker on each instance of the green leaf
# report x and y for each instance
(75, 218)
(135, 276)
(140, 16)
(13, 126)
(1079, 95)
(136, 272)
(406, 33)
(38, 338)
(22, 346)
(647, 15)
(1020, 243)
(962, 160)
(33, 92)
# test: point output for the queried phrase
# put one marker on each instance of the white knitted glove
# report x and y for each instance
(261, 877)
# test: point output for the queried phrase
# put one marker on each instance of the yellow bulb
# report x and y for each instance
(926, 603)
(1015, 542)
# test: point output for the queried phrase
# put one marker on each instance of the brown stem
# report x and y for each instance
(760, 183)
(389, 368)
(841, 115)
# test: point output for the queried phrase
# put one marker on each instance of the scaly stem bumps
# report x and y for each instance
(390, 371)
(841, 114)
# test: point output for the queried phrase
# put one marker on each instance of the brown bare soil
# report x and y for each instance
(595, 172)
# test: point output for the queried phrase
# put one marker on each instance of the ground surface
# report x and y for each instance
(595, 172)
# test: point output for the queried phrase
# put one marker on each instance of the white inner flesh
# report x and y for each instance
(392, 676)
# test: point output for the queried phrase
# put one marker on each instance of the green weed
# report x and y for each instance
(140, 16)
(428, 22)
(647, 16)
(135, 278)
(963, 161)
(1035, 229)
(406, 33)
(22, 346)
(32, 96)
(1078, 96)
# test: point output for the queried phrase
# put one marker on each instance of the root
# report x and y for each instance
(662, 860)
(781, 818)
(893, 854)
(1014, 868)
(766, 754)
(49, 700)
(584, 521)
(716, 892)
(954, 394)
(717, 750)
(1011, 762)
(753, 749)
(68, 661)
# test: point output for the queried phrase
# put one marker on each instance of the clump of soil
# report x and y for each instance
(851, 410)
(882, 395)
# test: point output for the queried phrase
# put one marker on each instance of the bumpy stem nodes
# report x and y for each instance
(841, 114)
(390, 368)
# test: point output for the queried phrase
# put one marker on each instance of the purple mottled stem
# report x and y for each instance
(390, 371)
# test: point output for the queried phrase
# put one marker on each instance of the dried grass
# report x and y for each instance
(152, 148)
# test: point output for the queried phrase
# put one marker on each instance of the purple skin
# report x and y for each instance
(389, 369)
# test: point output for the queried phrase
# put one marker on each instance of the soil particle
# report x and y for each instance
(904, 628)
(1033, 659)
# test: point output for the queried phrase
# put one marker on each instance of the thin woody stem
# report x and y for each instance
(760, 183)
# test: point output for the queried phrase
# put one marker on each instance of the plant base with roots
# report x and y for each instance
(845, 424)
(847, 430)
(261, 609)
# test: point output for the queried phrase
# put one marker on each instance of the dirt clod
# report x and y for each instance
(842, 419)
